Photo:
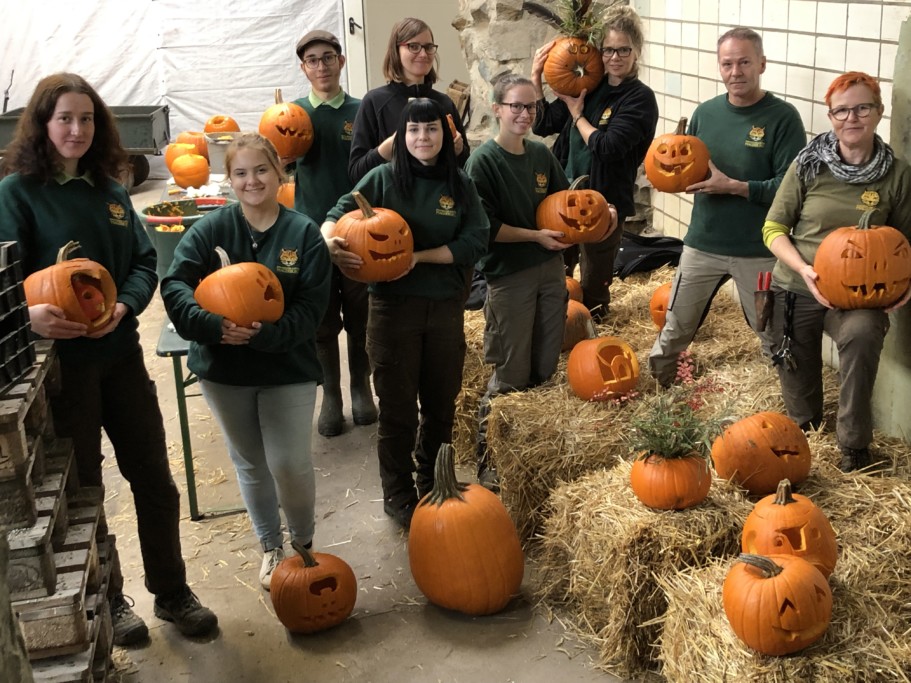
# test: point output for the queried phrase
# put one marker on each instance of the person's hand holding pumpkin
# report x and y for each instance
(719, 183)
(550, 239)
(810, 277)
(235, 335)
(614, 222)
(339, 254)
(901, 302)
(120, 310)
(537, 67)
(49, 321)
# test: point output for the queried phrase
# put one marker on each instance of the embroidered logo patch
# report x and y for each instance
(288, 257)
(117, 213)
(447, 204)
(541, 179)
(347, 129)
(756, 137)
(605, 116)
(870, 198)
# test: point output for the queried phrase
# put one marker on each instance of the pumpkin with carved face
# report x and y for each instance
(864, 266)
(657, 305)
(675, 161)
(288, 127)
(579, 325)
(759, 451)
(573, 65)
(602, 368)
(244, 293)
(382, 239)
(581, 215)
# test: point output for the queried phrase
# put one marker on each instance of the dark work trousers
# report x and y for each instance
(347, 309)
(596, 265)
(118, 396)
(417, 348)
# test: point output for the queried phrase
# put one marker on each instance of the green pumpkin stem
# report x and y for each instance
(306, 555)
(363, 204)
(783, 494)
(866, 217)
(63, 254)
(762, 563)
(223, 257)
(578, 182)
(445, 484)
(681, 127)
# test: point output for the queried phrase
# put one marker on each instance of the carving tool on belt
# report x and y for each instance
(764, 300)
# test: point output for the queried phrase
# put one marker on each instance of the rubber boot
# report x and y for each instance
(363, 409)
(330, 413)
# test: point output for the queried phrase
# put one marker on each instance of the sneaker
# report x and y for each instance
(853, 458)
(489, 479)
(183, 608)
(271, 558)
(401, 513)
(129, 628)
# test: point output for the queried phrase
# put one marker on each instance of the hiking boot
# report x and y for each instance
(401, 512)
(129, 628)
(853, 458)
(330, 421)
(184, 610)
(489, 479)
(271, 559)
(363, 409)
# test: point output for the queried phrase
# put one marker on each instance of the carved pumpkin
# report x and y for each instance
(381, 237)
(657, 305)
(759, 451)
(84, 289)
(463, 546)
(176, 149)
(573, 65)
(863, 266)
(573, 288)
(581, 215)
(778, 604)
(220, 123)
(190, 170)
(197, 139)
(286, 194)
(244, 293)
(288, 127)
(579, 325)
(787, 523)
(675, 161)
(670, 483)
(312, 591)
(602, 368)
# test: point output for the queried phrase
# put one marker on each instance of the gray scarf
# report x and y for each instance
(823, 149)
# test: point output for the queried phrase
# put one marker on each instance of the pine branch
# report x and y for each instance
(545, 14)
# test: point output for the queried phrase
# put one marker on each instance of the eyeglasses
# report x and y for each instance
(328, 59)
(861, 111)
(621, 51)
(517, 107)
(415, 48)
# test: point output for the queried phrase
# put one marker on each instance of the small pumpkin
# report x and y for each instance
(574, 288)
(285, 194)
(670, 483)
(244, 293)
(197, 139)
(674, 161)
(573, 65)
(582, 215)
(288, 127)
(462, 545)
(777, 604)
(381, 237)
(602, 368)
(221, 123)
(863, 266)
(759, 451)
(176, 149)
(579, 325)
(312, 591)
(190, 170)
(82, 288)
(657, 305)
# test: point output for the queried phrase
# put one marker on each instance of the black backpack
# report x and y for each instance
(640, 253)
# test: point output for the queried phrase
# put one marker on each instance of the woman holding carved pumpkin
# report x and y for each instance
(835, 179)
(63, 164)
(605, 134)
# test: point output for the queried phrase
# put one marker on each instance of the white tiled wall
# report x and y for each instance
(807, 44)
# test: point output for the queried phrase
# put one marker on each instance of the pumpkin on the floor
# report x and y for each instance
(657, 305)
(244, 293)
(579, 325)
(602, 368)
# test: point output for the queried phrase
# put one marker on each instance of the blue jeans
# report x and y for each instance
(268, 431)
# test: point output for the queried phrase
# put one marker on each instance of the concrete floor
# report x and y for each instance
(394, 635)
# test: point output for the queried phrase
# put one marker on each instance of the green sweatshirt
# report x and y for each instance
(435, 221)
(284, 352)
(43, 217)
(511, 187)
(755, 144)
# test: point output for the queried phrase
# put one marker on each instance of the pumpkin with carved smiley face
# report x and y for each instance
(864, 266)
(382, 239)
(573, 65)
(675, 161)
(581, 215)
(759, 451)
(602, 368)
(288, 127)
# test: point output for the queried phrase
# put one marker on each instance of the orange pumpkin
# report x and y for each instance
(286, 194)
(288, 127)
(462, 545)
(657, 305)
(670, 483)
(190, 170)
(759, 451)
(863, 266)
(675, 161)
(581, 215)
(196, 138)
(574, 288)
(312, 591)
(452, 126)
(602, 368)
(787, 523)
(220, 123)
(244, 293)
(579, 325)
(573, 65)
(381, 237)
(176, 149)
(84, 289)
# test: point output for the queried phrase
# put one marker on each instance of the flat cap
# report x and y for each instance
(318, 36)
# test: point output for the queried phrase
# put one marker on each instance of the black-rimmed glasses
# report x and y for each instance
(415, 48)
(861, 111)
(517, 107)
(621, 51)
(328, 59)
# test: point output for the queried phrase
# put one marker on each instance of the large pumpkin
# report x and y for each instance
(244, 293)
(573, 65)
(197, 139)
(288, 127)
(176, 149)
(602, 368)
(381, 237)
(579, 325)
(220, 123)
(581, 215)
(463, 546)
(286, 194)
(778, 604)
(190, 170)
(759, 451)
(657, 305)
(674, 161)
(312, 591)
(670, 483)
(787, 523)
(863, 266)
(84, 289)
(573, 288)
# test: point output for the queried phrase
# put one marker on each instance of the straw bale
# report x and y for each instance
(474, 384)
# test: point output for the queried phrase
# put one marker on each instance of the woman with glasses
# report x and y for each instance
(525, 309)
(834, 180)
(604, 134)
(410, 69)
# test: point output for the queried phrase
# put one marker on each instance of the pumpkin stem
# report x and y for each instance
(783, 494)
(63, 254)
(762, 563)
(278, 96)
(864, 222)
(445, 484)
(681, 127)
(578, 182)
(363, 204)
(306, 555)
(223, 257)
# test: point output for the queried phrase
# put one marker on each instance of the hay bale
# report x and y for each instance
(474, 384)
(602, 554)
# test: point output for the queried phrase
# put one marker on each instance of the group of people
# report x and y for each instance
(766, 205)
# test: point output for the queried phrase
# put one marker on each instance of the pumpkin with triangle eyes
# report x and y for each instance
(573, 65)
(244, 293)
(288, 127)
(581, 215)
(602, 368)
(675, 161)
(382, 239)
